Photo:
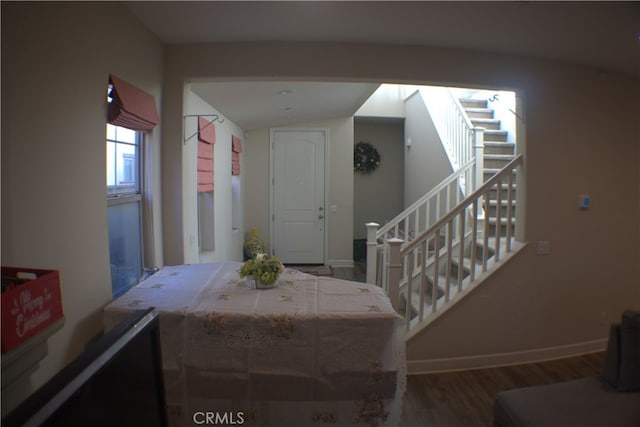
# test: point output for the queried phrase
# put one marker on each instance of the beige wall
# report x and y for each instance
(386, 101)
(582, 137)
(426, 161)
(339, 180)
(227, 244)
(256, 176)
(56, 60)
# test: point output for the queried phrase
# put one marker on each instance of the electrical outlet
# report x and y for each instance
(543, 247)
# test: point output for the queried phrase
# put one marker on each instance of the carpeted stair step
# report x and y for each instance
(479, 113)
(502, 148)
(488, 124)
(495, 135)
(503, 221)
(489, 172)
(493, 193)
(428, 295)
(466, 268)
(493, 221)
(473, 103)
(492, 161)
(504, 207)
(480, 249)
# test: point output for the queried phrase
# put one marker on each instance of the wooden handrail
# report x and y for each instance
(508, 168)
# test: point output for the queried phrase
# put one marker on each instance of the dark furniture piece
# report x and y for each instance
(116, 381)
(609, 400)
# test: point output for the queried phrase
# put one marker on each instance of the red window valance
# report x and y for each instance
(236, 149)
(236, 144)
(131, 107)
(206, 130)
(206, 139)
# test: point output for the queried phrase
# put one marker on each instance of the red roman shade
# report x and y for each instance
(131, 107)
(206, 139)
(236, 149)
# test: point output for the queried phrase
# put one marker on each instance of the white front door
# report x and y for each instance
(298, 211)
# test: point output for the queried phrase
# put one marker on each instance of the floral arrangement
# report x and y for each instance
(264, 268)
(254, 245)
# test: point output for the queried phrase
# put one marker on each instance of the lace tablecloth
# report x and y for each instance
(311, 351)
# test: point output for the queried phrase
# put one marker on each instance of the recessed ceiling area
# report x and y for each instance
(262, 104)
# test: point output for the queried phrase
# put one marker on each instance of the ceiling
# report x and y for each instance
(254, 105)
(604, 35)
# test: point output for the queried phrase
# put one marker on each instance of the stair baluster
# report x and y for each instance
(440, 233)
(455, 245)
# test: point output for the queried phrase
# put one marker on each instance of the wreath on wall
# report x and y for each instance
(365, 158)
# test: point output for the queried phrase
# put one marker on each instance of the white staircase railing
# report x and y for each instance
(454, 127)
(464, 145)
(455, 253)
(416, 218)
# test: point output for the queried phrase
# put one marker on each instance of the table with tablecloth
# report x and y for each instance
(310, 351)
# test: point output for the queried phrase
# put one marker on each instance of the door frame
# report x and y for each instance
(325, 132)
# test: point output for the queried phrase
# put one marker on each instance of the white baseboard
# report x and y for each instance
(340, 262)
(415, 367)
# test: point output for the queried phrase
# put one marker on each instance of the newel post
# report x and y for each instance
(394, 272)
(372, 251)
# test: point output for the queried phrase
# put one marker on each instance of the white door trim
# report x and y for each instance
(272, 132)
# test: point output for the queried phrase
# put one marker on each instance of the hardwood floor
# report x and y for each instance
(465, 398)
(357, 273)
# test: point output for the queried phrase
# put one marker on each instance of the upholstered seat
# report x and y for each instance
(610, 400)
(587, 402)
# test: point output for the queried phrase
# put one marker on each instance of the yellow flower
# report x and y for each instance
(265, 268)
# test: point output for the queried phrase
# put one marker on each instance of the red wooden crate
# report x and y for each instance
(31, 301)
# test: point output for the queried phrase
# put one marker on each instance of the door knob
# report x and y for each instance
(320, 208)
(320, 216)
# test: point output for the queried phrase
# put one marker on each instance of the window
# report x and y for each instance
(123, 147)
(128, 169)
(131, 112)
(124, 199)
